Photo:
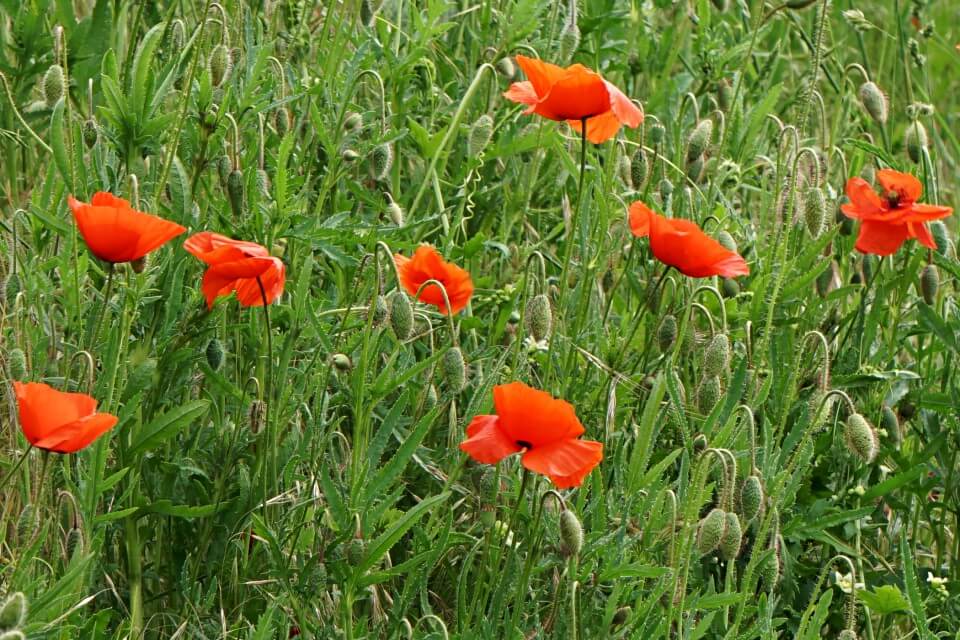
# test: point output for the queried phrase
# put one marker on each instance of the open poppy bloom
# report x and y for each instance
(235, 265)
(58, 421)
(426, 264)
(544, 428)
(887, 220)
(683, 245)
(574, 94)
(116, 232)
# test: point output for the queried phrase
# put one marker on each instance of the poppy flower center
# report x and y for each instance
(893, 199)
(526, 445)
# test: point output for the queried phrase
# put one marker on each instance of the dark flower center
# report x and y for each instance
(893, 199)
(526, 445)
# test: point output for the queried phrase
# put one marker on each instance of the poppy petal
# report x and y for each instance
(579, 93)
(426, 264)
(523, 93)
(919, 231)
(623, 107)
(599, 128)
(864, 201)
(905, 185)
(106, 199)
(486, 442)
(116, 233)
(542, 75)
(639, 219)
(78, 435)
(566, 462)
(533, 416)
(927, 212)
(241, 276)
(880, 238)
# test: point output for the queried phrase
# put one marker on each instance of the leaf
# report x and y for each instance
(167, 508)
(894, 482)
(141, 79)
(913, 591)
(383, 543)
(884, 600)
(395, 466)
(168, 425)
(935, 324)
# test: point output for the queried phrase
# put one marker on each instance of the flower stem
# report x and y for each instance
(10, 474)
(108, 290)
(268, 385)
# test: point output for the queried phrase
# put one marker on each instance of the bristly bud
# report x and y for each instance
(814, 210)
(382, 160)
(352, 122)
(11, 289)
(657, 133)
(454, 369)
(711, 530)
(220, 64)
(214, 354)
(625, 170)
(481, 132)
(91, 133)
(281, 121)
(915, 140)
(394, 212)
(861, 438)
(868, 264)
(699, 140)
(699, 443)
(263, 184)
(569, 38)
(730, 288)
(13, 613)
(666, 188)
(639, 168)
(874, 102)
(695, 170)
(380, 311)
(341, 361)
(177, 35)
(74, 542)
(751, 498)
(139, 265)
(53, 85)
(667, 333)
(349, 156)
(725, 95)
(732, 538)
(726, 241)
(235, 192)
(708, 394)
(506, 67)
(17, 364)
(890, 424)
(929, 283)
(716, 359)
(940, 237)
(538, 317)
(571, 533)
(224, 167)
(27, 523)
(620, 616)
(401, 315)
(256, 415)
(432, 398)
(770, 571)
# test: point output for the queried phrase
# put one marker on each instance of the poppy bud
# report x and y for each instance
(751, 498)
(730, 288)
(74, 542)
(625, 170)
(708, 394)
(382, 160)
(214, 354)
(401, 315)
(27, 522)
(639, 168)
(506, 67)
(847, 634)
(721, 5)
(695, 171)
(732, 538)
(667, 333)
(814, 210)
(699, 140)
(91, 133)
(861, 438)
(724, 94)
(11, 288)
(341, 361)
(256, 415)
(177, 34)
(139, 265)
(621, 615)
(874, 102)
(726, 241)
(538, 317)
(454, 369)
(711, 531)
(349, 155)
(939, 232)
(432, 398)
(220, 64)
(356, 551)
(770, 571)
(224, 167)
(53, 85)
(666, 188)
(395, 212)
(657, 133)
(571, 533)
(380, 312)
(281, 121)
(869, 266)
(569, 38)
(824, 281)
(368, 12)
(890, 424)
(716, 359)
(481, 132)
(929, 283)
(13, 613)
(17, 364)
(235, 191)
(352, 122)
(699, 443)
(915, 140)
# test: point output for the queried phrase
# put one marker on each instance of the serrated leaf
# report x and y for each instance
(884, 600)
(168, 425)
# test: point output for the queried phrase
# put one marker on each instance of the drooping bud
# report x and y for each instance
(666, 188)
(382, 160)
(368, 12)
(53, 85)
(17, 364)
(625, 170)
(890, 424)
(814, 210)
(726, 241)
(874, 102)
(569, 38)
(224, 167)
(869, 267)
(432, 398)
(91, 133)
(711, 530)
(220, 64)
(349, 156)
(724, 94)
(732, 538)
(401, 315)
(939, 232)
(620, 616)
(214, 354)
(13, 613)
(538, 317)
(657, 133)
(695, 170)
(235, 192)
(506, 67)
(356, 551)
(770, 571)
(699, 443)
(395, 213)
(281, 121)
(481, 132)
(571, 533)
(915, 140)
(929, 283)
(341, 361)
(380, 312)
(751, 498)
(708, 394)
(27, 523)
(699, 140)
(177, 35)
(716, 359)
(667, 333)
(639, 168)
(454, 369)
(861, 438)
(74, 542)
(13, 634)
(730, 288)
(847, 634)
(139, 265)
(352, 122)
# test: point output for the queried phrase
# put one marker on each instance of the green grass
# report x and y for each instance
(346, 509)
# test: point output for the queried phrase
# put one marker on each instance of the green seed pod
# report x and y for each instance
(890, 424)
(395, 212)
(620, 616)
(53, 85)
(666, 188)
(699, 140)
(716, 359)
(263, 184)
(711, 530)
(814, 210)
(861, 438)
(770, 571)
(382, 160)
(657, 133)
(915, 140)
(730, 288)
(538, 317)
(940, 237)
(847, 634)
(699, 442)
(569, 39)
(454, 369)
(91, 133)
(353, 122)
(341, 361)
(380, 311)
(667, 333)
(401, 315)
(13, 613)
(235, 192)
(732, 538)
(17, 364)
(224, 167)
(481, 132)
(507, 68)
(874, 102)
(571, 534)
(929, 283)
(256, 416)
(708, 394)
(220, 64)
(751, 498)
(281, 121)
(639, 168)
(725, 95)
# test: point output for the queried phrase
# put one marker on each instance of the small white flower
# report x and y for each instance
(845, 582)
(938, 584)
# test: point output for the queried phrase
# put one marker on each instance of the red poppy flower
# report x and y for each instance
(544, 428)
(58, 421)
(574, 94)
(237, 266)
(681, 244)
(426, 264)
(888, 220)
(116, 232)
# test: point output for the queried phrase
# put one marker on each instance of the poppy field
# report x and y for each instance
(490, 320)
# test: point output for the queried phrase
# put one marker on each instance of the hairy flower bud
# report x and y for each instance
(382, 160)
(91, 133)
(538, 317)
(17, 364)
(915, 140)
(401, 315)
(235, 192)
(54, 82)
(814, 210)
(454, 369)
(861, 438)
(13, 613)
(874, 102)
(639, 168)
(571, 533)
(667, 333)
(929, 283)
(214, 354)
(716, 359)
(708, 394)
(481, 132)
(732, 538)
(699, 140)
(711, 530)
(220, 64)
(751, 498)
